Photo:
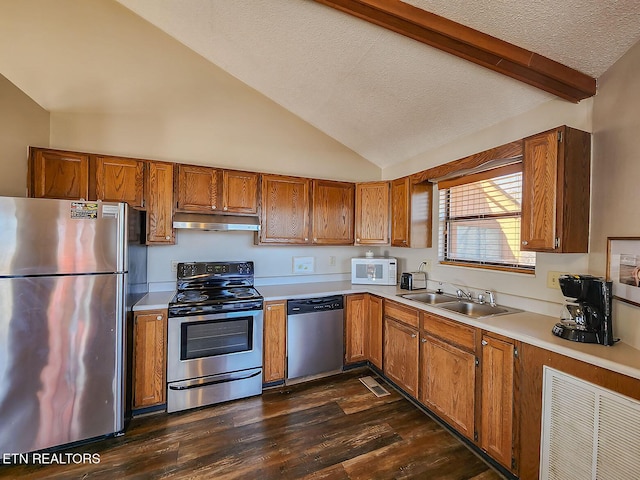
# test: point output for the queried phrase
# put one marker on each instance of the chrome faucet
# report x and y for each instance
(492, 298)
(462, 294)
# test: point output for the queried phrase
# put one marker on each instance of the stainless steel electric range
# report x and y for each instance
(214, 351)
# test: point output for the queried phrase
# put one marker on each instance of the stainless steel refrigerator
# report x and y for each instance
(64, 270)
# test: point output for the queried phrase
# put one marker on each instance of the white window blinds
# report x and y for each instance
(480, 220)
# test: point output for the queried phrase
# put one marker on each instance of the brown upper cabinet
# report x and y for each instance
(118, 180)
(372, 213)
(240, 192)
(411, 205)
(555, 191)
(58, 174)
(160, 203)
(285, 209)
(197, 189)
(333, 207)
(207, 190)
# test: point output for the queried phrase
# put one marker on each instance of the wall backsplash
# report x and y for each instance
(273, 264)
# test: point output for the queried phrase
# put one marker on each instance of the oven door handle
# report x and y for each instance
(205, 383)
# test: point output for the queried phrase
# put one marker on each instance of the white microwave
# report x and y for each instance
(374, 271)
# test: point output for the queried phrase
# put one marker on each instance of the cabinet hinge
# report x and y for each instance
(475, 435)
(515, 352)
(513, 463)
(477, 362)
(559, 137)
(557, 242)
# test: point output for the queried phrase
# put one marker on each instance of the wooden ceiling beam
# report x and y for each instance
(472, 45)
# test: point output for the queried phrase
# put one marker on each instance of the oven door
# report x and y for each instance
(205, 345)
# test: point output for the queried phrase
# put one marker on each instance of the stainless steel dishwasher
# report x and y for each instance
(315, 337)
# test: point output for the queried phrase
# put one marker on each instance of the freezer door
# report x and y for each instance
(61, 357)
(44, 236)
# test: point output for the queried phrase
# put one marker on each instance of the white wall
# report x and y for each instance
(616, 167)
(22, 123)
(273, 264)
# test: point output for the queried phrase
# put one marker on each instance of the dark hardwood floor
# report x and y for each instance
(327, 429)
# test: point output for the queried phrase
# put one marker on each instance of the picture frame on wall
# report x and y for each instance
(623, 268)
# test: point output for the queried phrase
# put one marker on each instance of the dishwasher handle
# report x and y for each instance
(317, 304)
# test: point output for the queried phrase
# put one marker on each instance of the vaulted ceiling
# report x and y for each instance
(383, 95)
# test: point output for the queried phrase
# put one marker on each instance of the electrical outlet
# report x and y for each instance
(552, 280)
(426, 265)
(332, 261)
(174, 265)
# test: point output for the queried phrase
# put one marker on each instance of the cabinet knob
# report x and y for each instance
(213, 207)
(357, 239)
(159, 317)
(226, 208)
(315, 239)
(423, 340)
(306, 239)
(414, 335)
(484, 342)
(168, 237)
(404, 241)
(269, 308)
(524, 242)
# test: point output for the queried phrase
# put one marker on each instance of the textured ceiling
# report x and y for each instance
(384, 96)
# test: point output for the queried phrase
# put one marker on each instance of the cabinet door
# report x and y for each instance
(160, 203)
(120, 180)
(149, 358)
(356, 328)
(448, 382)
(375, 331)
(197, 189)
(333, 209)
(275, 341)
(239, 192)
(539, 187)
(400, 213)
(285, 210)
(57, 174)
(372, 213)
(401, 349)
(497, 399)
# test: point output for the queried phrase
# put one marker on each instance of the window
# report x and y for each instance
(480, 220)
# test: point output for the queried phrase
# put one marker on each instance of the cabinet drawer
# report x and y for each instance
(401, 313)
(450, 331)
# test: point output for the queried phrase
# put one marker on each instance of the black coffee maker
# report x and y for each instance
(588, 312)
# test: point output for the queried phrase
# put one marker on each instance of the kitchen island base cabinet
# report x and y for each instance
(149, 358)
(275, 341)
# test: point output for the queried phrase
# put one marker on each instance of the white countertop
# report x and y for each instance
(531, 328)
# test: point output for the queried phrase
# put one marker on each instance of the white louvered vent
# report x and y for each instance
(588, 432)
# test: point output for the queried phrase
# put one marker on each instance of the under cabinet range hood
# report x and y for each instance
(203, 221)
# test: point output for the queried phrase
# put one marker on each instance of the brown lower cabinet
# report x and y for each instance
(497, 404)
(275, 341)
(401, 353)
(149, 358)
(448, 383)
(356, 312)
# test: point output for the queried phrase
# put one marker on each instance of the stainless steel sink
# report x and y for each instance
(431, 298)
(477, 310)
